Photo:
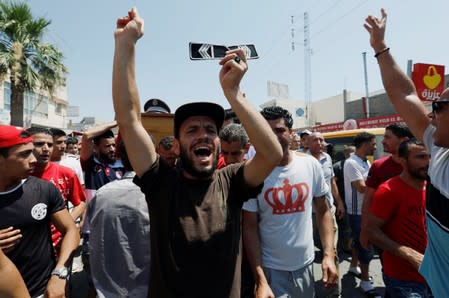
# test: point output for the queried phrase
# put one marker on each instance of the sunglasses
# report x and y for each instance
(437, 106)
(24, 134)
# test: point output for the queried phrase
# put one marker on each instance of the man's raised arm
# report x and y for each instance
(399, 87)
(139, 146)
(268, 149)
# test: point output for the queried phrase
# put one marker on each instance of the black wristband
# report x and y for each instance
(381, 52)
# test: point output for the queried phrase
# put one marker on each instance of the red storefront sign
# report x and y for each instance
(428, 80)
(381, 121)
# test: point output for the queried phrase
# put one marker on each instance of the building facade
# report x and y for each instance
(39, 109)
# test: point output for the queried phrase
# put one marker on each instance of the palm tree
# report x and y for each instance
(30, 63)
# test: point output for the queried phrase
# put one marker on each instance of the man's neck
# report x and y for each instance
(286, 158)
(360, 154)
(317, 155)
(8, 183)
(40, 169)
(414, 182)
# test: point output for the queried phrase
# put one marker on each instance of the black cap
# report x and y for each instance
(209, 109)
(156, 105)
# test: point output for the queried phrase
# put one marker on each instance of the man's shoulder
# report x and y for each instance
(64, 170)
(119, 184)
(303, 157)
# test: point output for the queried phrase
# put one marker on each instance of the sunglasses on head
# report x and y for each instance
(438, 105)
(24, 134)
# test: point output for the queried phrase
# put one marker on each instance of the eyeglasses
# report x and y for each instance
(438, 105)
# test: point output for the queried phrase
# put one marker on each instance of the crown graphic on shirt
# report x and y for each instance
(287, 199)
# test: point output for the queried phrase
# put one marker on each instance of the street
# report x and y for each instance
(350, 283)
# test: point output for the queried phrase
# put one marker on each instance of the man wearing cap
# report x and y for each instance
(195, 212)
(31, 203)
(304, 135)
(155, 105)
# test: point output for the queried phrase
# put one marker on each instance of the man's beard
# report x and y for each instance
(418, 173)
(105, 158)
(188, 166)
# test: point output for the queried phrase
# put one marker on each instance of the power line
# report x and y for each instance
(325, 12)
(339, 19)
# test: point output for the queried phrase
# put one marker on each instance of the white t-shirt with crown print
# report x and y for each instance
(284, 208)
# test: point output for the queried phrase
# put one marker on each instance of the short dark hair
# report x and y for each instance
(234, 133)
(404, 147)
(106, 135)
(56, 132)
(274, 113)
(37, 129)
(400, 130)
(361, 138)
(166, 142)
(124, 157)
(231, 115)
(71, 141)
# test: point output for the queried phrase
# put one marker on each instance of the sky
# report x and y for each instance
(83, 31)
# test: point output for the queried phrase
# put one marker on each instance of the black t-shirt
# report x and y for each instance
(28, 208)
(195, 231)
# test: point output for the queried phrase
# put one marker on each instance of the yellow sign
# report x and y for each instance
(432, 79)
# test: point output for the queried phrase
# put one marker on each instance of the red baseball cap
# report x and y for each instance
(12, 135)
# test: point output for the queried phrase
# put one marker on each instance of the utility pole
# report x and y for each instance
(307, 69)
(366, 86)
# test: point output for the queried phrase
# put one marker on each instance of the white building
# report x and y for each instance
(327, 110)
(39, 109)
(296, 108)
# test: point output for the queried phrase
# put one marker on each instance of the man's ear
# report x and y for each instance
(176, 147)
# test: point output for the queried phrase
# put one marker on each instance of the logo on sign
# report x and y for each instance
(428, 80)
(432, 79)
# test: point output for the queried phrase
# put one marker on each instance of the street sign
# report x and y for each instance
(204, 51)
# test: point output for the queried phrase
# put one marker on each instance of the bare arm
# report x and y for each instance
(325, 227)
(253, 252)
(70, 241)
(338, 201)
(268, 149)
(399, 87)
(86, 140)
(380, 239)
(78, 210)
(11, 282)
(139, 146)
(367, 199)
(359, 185)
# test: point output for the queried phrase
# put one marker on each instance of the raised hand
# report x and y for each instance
(234, 67)
(129, 27)
(376, 28)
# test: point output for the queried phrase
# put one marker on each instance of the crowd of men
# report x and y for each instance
(226, 187)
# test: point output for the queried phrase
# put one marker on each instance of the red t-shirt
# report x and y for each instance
(67, 182)
(403, 209)
(221, 162)
(381, 170)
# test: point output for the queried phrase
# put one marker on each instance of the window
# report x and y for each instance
(7, 96)
(32, 102)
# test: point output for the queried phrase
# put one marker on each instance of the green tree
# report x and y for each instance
(30, 63)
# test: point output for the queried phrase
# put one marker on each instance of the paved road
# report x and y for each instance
(350, 284)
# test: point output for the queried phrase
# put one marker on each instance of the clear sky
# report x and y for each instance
(83, 31)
